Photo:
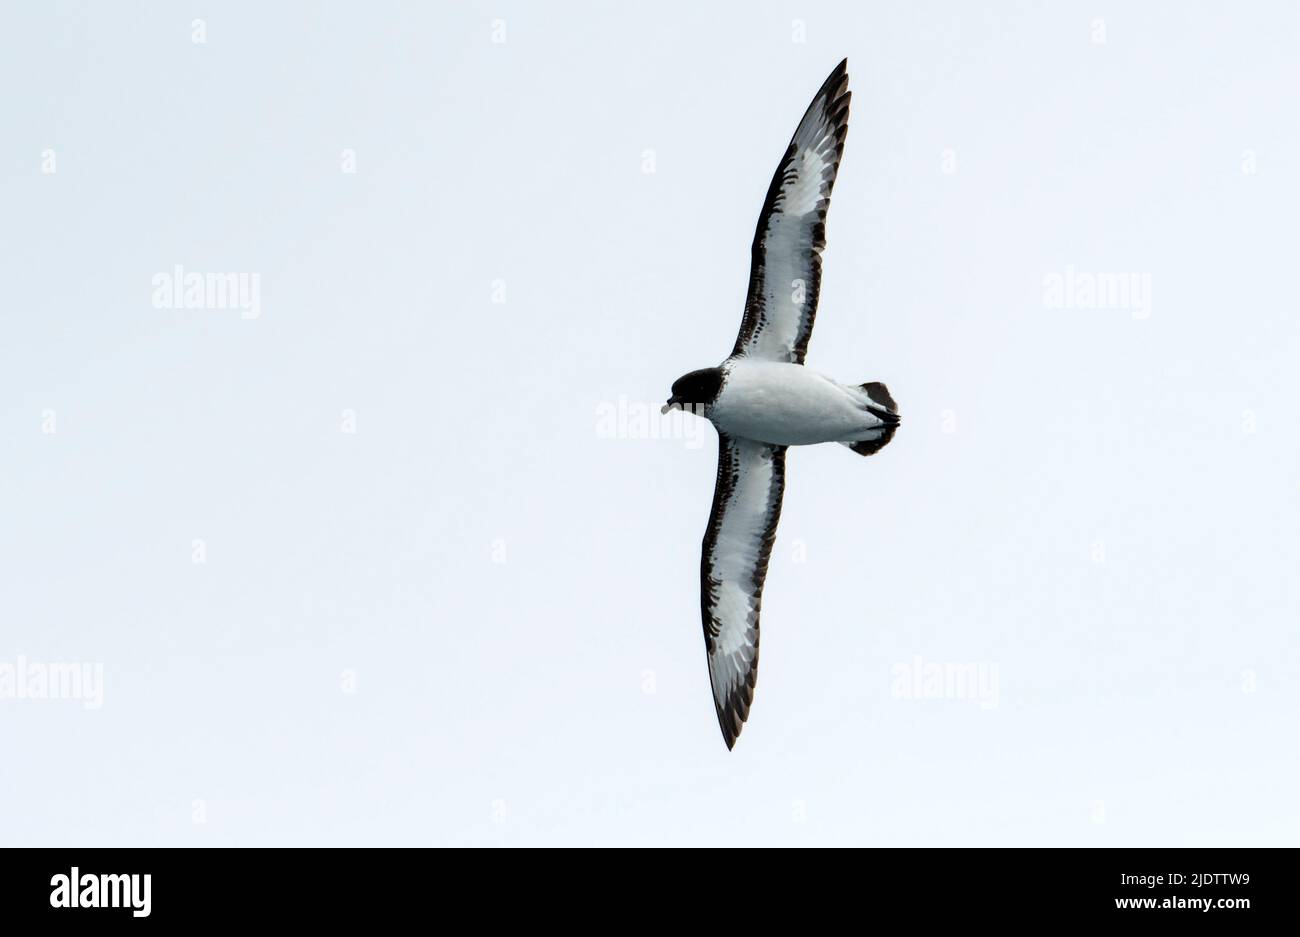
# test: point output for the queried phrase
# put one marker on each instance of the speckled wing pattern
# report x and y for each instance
(737, 544)
(786, 269)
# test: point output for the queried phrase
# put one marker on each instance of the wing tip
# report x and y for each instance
(838, 79)
(733, 712)
(833, 99)
(732, 722)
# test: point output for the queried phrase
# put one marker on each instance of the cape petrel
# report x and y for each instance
(762, 399)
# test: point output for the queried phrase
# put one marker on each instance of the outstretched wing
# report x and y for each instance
(737, 544)
(786, 272)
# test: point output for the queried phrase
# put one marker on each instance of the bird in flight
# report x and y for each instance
(762, 399)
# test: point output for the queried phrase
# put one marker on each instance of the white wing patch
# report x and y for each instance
(804, 194)
(785, 271)
(737, 544)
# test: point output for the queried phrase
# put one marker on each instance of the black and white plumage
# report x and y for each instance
(733, 565)
(762, 400)
(786, 267)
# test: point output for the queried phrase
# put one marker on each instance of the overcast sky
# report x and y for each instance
(387, 543)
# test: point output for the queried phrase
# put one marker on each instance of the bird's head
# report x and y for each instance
(695, 390)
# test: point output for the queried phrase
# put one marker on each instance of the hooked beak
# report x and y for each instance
(674, 403)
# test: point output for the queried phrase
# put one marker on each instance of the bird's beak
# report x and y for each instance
(673, 403)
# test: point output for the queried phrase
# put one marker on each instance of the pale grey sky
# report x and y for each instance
(436, 602)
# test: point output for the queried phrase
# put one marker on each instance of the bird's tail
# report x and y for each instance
(882, 408)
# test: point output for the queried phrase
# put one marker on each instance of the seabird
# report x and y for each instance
(762, 399)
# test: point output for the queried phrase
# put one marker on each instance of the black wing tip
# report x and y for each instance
(833, 99)
(734, 713)
(837, 80)
(731, 721)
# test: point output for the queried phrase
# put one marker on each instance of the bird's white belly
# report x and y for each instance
(786, 405)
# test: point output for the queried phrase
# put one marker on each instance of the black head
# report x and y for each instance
(697, 389)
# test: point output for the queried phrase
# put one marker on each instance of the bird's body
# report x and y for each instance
(762, 399)
(792, 405)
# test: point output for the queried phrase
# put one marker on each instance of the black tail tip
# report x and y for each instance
(880, 394)
(872, 446)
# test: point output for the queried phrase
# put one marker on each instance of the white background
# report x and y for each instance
(1100, 505)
